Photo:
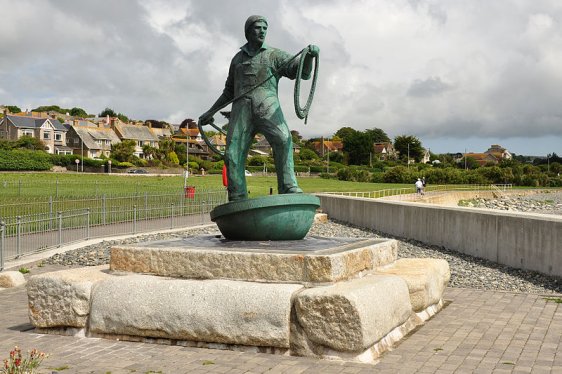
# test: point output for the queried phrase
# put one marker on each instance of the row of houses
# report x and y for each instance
(93, 137)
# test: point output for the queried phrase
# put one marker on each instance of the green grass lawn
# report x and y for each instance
(25, 194)
(38, 185)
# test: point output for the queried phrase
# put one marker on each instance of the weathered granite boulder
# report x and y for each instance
(9, 279)
(220, 311)
(62, 298)
(351, 316)
(426, 279)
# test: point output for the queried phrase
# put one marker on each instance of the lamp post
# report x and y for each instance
(109, 166)
(82, 154)
(186, 157)
(408, 155)
(77, 161)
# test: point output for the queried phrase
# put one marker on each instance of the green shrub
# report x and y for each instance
(19, 159)
(377, 177)
(123, 165)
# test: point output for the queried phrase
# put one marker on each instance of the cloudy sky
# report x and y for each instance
(457, 74)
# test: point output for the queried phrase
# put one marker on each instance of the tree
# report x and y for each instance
(108, 112)
(358, 147)
(50, 108)
(377, 135)
(345, 132)
(123, 151)
(409, 144)
(297, 138)
(12, 108)
(78, 112)
(307, 154)
(29, 142)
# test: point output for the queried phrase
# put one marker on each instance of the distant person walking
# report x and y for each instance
(419, 187)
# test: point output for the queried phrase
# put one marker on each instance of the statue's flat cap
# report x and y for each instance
(253, 19)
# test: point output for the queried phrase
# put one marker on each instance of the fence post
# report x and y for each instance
(18, 235)
(145, 202)
(19, 188)
(172, 217)
(87, 223)
(57, 187)
(50, 212)
(103, 211)
(59, 219)
(2, 236)
(202, 210)
(134, 219)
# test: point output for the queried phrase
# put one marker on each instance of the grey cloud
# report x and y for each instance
(375, 61)
(428, 87)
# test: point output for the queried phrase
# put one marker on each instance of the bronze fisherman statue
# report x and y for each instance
(252, 88)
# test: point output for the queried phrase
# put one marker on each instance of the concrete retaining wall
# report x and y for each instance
(521, 240)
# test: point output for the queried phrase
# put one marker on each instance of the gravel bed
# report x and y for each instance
(544, 203)
(466, 271)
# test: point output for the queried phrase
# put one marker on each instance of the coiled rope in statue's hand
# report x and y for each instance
(301, 112)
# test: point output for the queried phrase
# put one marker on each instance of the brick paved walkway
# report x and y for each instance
(478, 332)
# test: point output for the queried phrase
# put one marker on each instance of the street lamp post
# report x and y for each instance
(109, 166)
(77, 161)
(82, 154)
(408, 155)
(186, 157)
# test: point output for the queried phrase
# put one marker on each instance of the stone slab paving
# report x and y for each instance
(478, 332)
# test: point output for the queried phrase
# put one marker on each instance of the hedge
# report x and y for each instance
(20, 159)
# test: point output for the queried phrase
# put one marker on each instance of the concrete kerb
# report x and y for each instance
(38, 256)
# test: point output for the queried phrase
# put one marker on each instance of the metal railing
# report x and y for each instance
(85, 219)
(412, 190)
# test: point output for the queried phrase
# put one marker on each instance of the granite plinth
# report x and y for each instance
(311, 260)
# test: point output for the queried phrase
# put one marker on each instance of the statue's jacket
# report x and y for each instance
(249, 69)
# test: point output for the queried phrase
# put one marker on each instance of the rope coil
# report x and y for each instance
(301, 112)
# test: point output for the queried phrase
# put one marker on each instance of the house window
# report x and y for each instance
(108, 143)
(58, 137)
(76, 141)
(46, 135)
(27, 133)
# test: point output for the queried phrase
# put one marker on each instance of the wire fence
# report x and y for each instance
(412, 190)
(56, 222)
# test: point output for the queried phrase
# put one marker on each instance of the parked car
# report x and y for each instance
(137, 171)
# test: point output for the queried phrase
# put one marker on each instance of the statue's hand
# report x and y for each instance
(313, 50)
(206, 118)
